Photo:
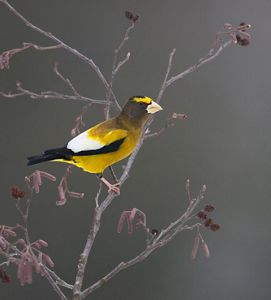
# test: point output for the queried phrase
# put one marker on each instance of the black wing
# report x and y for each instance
(67, 154)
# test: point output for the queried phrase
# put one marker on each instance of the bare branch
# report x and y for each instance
(75, 52)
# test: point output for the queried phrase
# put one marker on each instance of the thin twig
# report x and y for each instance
(54, 284)
(116, 66)
(58, 280)
(164, 84)
(169, 123)
(49, 95)
(66, 80)
(98, 194)
(42, 48)
(212, 54)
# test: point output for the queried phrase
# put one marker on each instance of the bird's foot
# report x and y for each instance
(111, 187)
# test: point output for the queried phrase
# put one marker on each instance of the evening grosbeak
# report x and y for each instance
(105, 143)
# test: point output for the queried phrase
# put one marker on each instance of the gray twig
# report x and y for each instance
(49, 95)
(116, 66)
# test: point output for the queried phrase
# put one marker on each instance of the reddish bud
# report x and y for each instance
(16, 193)
(131, 16)
(201, 215)
(209, 208)
(244, 42)
(208, 222)
(215, 227)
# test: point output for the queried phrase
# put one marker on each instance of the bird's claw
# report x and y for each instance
(114, 188)
(111, 187)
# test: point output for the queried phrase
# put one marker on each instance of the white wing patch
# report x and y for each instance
(83, 142)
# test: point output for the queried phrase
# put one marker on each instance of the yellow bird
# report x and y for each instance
(106, 143)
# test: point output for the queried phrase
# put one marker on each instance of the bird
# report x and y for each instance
(106, 143)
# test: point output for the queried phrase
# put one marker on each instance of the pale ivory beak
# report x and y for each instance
(153, 108)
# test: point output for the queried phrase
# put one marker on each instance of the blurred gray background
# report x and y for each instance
(224, 144)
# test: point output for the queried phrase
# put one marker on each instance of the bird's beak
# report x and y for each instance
(153, 108)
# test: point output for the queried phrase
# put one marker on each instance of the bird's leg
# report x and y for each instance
(113, 174)
(111, 187)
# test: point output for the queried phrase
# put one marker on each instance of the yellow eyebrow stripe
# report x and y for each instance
(146, 100)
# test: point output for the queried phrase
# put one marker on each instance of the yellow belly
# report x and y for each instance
(98, 163)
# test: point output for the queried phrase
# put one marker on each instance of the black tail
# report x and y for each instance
(33, 160)
(48, 155)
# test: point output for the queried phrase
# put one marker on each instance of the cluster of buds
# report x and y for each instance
(239, 33)
(131, 16)
(243, 37)
(206, 221)
(16, 193)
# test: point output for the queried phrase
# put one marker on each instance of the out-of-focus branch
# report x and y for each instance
(75, 52)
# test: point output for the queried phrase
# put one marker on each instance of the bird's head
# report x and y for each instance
(138, 108)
